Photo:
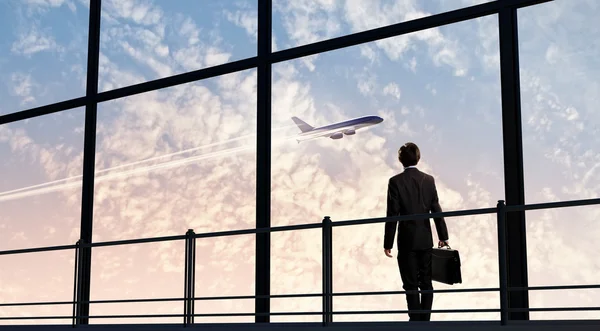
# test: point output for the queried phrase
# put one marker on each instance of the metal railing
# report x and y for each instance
(327, 293)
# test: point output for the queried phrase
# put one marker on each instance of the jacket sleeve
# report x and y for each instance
(393, 209)
(440, 223)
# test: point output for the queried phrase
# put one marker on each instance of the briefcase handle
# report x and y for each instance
(447, 245)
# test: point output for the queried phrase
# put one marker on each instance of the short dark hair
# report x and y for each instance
(409, 154)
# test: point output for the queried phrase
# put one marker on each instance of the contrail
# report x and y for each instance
(125, 165)
(26, 192)
(189, 150)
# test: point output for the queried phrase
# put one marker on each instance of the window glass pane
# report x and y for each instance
(224, 267)
(40, 205)
(177, 158)
(43, 52)
(37, 277)
(41, 162)
(444, 95)
(147, 40)
(297, 23)
(560, 70)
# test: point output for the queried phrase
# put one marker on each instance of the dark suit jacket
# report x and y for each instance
(413, 192)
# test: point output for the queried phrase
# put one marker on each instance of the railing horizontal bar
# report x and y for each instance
(458, 290)
(250, 297)
(96, 244)
(260, 230)
(349, 222)
(554, 309)
(456, 213)
(558, 287)
(304, 295)
(355, 312)
(295, 227)
(358, 312)
(91, 301)
(99, 316)
(552, 205)
(36, 318)
(133, 241)
(49, 303)
(37, 249)
(441, 311)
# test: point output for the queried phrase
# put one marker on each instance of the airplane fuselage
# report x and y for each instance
(338, 130)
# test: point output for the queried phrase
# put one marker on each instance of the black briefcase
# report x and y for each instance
(445, 266)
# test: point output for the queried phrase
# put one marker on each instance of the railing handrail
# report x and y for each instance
(305, 313)
(307, 295)
(454, 213)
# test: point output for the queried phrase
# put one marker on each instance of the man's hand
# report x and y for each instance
(442, 243)
(388, 252)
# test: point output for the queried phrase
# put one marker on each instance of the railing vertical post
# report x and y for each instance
(327, 271)
(189, 278)
(193, 274)
(185, 283)
(501, 213)
(75, 301)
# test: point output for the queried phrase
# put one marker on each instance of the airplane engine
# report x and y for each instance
(337, 135)
(350, 132)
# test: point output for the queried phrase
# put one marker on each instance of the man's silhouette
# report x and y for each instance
(414, 192)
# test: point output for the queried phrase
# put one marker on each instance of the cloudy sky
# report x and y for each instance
(184, 157)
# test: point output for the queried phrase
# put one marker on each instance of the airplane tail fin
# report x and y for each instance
(303, 126)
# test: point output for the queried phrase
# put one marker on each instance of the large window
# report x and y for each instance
(174, 139)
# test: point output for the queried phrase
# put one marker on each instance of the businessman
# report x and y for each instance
(414, 192)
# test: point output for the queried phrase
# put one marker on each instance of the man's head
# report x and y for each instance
(409, 154)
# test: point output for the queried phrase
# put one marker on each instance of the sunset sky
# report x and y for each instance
(184, 157)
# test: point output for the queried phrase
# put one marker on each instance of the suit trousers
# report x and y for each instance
(415, 270)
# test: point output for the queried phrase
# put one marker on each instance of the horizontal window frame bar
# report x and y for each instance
(399, 29)
(353, 39)
(552, 205)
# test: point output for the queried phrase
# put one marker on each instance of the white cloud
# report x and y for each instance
(140, 12)
(43, 6)
(392, 89)
(23, 84)
(443, 50)
(247, 19)
(34, 41)
(307, 21)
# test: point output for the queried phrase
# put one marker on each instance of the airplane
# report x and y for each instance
(336, 130)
